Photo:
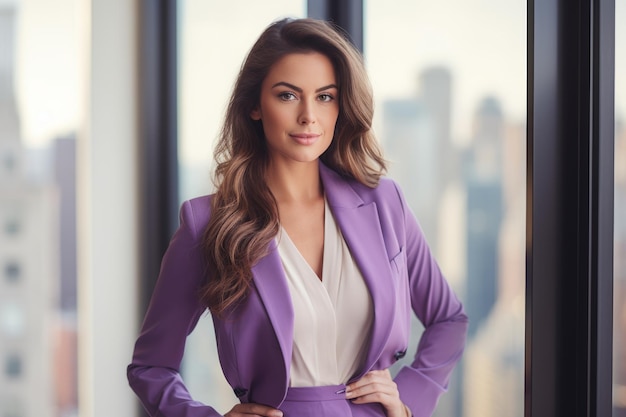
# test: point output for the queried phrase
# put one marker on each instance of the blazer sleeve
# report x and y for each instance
(445, 322)
(173, 313)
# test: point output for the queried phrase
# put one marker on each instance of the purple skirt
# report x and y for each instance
(326, 401)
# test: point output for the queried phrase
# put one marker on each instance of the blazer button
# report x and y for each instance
(240, 392)
(399, 354)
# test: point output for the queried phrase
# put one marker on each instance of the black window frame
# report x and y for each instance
(569, 269)
(158, 137)
(569, 231)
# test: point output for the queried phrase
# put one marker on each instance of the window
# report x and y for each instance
(12, 271)
(12, 226)
(450, 106)
(8, 163)
(13, 366)
(11, 320)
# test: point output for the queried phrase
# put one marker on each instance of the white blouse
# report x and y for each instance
(333, 316)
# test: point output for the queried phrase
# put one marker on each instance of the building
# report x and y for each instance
(411, 149)
(494, 358)
(483, 185)
(66, 329)
(417, 140)
(28, 260)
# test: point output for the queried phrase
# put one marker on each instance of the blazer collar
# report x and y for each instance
(360, 226)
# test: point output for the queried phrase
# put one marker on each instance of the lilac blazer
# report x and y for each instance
(254, 344)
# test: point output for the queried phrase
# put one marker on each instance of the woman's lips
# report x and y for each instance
(305, 138)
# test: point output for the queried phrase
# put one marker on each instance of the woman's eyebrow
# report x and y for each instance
(299, 90)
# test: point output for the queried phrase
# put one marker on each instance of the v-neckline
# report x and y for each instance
(325, 255)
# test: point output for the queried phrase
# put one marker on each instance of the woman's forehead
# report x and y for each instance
(303, 69)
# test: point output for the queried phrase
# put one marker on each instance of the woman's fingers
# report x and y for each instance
(377, 387)
(373, 382)
(253, 410)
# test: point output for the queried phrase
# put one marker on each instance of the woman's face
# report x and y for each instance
(298, 107)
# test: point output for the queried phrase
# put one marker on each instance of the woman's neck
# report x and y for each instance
(295, 182)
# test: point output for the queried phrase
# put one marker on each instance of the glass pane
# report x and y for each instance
(450, 93)
(208, 67)
(39, 113)
(619, 288)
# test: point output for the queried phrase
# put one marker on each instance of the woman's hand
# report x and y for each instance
(378, 387)
(253, 410)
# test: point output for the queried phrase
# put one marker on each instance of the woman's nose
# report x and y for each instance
(307, 114)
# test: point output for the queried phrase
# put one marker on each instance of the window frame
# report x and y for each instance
(158, 137)
(569, 269)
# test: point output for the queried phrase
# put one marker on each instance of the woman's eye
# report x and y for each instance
(325, 97)
(287, 96)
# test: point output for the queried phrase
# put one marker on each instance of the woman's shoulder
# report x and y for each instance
(388, 185)
(385, 188)
(202, 202)
(386, 191)
(195, 212)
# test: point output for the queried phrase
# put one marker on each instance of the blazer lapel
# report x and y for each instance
(360, 225)
(271, 283)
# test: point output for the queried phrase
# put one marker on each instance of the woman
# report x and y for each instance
(308, 260)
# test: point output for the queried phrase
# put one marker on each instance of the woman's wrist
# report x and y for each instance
(407, 410)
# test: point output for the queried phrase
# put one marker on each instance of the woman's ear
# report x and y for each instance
(255, 114)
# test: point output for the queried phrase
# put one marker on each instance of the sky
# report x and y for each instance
(482, 42)
(48, 68)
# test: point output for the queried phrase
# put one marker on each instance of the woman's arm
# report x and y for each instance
(435, 304)
(173, 313)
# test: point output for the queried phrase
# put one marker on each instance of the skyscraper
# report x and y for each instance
(435, 92)
(417, 141)
(412, 151)
(66, 360)
(483, 184)
(494, 359)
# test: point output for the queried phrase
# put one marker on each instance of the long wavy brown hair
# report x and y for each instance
(244, 218)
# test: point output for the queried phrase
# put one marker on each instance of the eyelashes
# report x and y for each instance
(287, 96)
(290, 96)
